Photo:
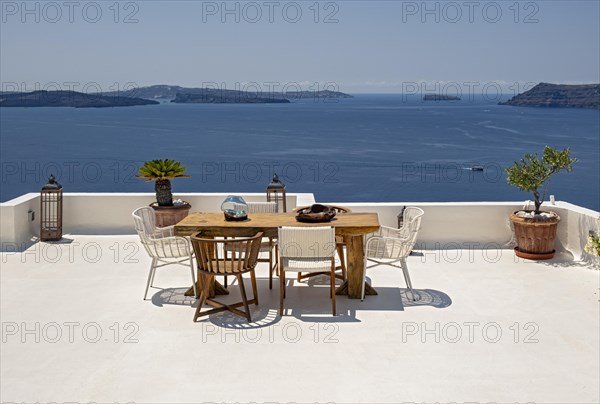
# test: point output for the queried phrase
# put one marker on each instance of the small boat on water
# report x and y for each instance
(474, 168)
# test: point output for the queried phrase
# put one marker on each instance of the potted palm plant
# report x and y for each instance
(535, 230)
(168, 212)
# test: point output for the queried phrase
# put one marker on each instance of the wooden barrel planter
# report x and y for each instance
(170, 215)
(535, 238)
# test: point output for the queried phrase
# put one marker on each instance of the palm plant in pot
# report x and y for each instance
(535, 230)
(162, 172)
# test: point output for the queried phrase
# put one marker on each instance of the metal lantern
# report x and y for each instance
(401, 217)
(276, 193)
(51, 210)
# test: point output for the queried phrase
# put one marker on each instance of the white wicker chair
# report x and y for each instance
(262, 207)
(391, 246)
(306, 249)
(268, 244)
(161, 245)
(341, 244)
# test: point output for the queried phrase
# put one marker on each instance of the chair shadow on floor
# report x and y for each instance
(398, 299)
(172, 296)
(263, 315)
(305, 304)
(426, 297)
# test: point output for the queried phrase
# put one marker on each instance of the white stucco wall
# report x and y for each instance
(16, 226)
(103, 213)
(449, 225)
(452, 225)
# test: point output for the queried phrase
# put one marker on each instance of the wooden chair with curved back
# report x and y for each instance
(269, 244)
(213, 260)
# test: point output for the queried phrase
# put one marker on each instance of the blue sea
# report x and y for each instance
(368, 148)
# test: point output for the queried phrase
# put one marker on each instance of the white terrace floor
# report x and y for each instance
(487, 328)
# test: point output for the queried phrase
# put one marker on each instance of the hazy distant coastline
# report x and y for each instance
(440, 97)
(207, 95)
(154, 95)
(542, 95)
(558, 96)
(68, 99)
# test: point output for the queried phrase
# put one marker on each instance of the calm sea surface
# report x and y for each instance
(370, 148)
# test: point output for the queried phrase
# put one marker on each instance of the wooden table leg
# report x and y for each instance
(214, 289)
(217, 289)
(355, 267)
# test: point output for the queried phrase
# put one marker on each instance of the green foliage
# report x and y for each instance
(531, 173)
(593, 244)
(153, 170)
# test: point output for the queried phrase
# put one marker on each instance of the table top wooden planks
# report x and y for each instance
(214, 224)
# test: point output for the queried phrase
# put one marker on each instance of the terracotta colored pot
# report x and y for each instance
(535, 238)
(170, 215)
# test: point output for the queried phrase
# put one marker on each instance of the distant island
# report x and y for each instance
(207, 95)
(316, 94)
(558, 96)
(210, 96)
(440, 97)
(68, 99)
(153, 95)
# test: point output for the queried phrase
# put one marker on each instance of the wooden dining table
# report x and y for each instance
(351, 226)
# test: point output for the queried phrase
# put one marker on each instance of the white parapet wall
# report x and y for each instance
(484, 225)
(446, 225)
(102, 213)
(19, 222)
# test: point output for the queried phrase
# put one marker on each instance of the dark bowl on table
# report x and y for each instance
(316, 213)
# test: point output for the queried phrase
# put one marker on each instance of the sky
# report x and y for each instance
(352, 46)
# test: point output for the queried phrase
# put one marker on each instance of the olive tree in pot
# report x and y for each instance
(162, 172)
(535, 231)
